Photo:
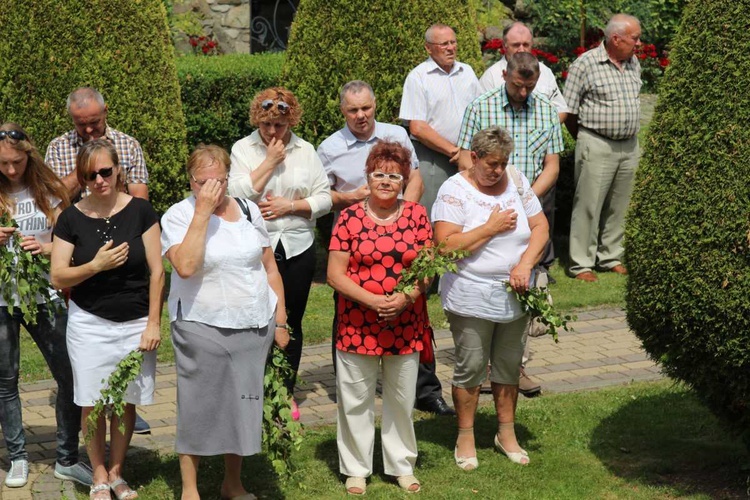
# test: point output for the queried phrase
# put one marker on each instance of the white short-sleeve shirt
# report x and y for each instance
(478, 289)
(231, 290)
(438, 97)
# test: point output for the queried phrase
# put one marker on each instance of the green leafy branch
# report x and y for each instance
(431, 261)
(25, 274)
(113, 392)
(281, 433)
(535, 301)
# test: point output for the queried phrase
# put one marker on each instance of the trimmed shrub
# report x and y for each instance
(121, 48)
(217, 91)
(560, 20)
(688, 230)
(333, 42)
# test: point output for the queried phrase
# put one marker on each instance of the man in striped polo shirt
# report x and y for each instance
(603, 94)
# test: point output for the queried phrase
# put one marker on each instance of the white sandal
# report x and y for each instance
(354, 482)
(96, 491)
(127, 494)
(517, 457)
(406, 483)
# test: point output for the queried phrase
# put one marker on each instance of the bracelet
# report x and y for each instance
(283, 326)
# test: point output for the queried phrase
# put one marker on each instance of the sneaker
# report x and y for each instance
(18, 475)
(79, 472)
(141, 426)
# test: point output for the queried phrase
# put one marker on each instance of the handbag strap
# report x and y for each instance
(516, 176)
(245, 209)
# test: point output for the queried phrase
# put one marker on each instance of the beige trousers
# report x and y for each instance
(356, 379)
(604, 173)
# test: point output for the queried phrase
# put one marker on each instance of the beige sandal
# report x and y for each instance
(126, 492)
(97, 492)
(407, 483)
(465, 463)
(356, 485)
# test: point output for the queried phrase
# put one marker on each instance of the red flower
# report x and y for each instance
(494, 44)
(579, 50)
(205, 49)
(212, 44)
(564, 75)
(552, 59)
(193, 41)
(641, 56)
(663, 62)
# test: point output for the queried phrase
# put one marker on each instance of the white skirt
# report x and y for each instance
(95, 346)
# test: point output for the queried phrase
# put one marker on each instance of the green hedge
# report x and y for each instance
(121, 48)
(335, 41)
(688, 230)
(560, 20)
(217, 91)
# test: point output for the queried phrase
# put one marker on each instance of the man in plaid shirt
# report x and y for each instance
(89, 114)
(603, 94)
(533, 122)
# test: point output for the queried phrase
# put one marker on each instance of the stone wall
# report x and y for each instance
(227, 20)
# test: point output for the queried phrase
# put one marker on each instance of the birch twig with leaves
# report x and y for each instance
(25, 274)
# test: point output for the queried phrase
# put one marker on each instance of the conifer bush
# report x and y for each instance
(380, 41)
(217, 91)
(688, 230)
(121, 48)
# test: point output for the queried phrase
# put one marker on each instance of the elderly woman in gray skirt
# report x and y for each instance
(226, 305)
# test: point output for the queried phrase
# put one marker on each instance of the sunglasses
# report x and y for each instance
(203, 181)
(281, 106)
(381, 176)
(104, 173)
(16, 135)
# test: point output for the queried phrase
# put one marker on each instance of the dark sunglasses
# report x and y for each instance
(105, 172)
(281, 106)
(16, 135)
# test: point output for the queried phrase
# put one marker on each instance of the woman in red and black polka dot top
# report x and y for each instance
(370, 245)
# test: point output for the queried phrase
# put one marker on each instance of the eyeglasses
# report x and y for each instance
(281, 106)
(16, 135)
(446, 44)
(381, 176)
(203, 181)
(104, 173)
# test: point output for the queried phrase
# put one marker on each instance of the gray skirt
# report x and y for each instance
(219, 387)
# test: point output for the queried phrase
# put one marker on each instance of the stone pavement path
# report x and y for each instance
(600, 352)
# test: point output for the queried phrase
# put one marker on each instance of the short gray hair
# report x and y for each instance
(617, 25)
(433, 28)
(523, 64)
(82, 96)
(355, 87)
(492, 140)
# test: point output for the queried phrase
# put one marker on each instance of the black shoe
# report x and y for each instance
(438, 406)
(141, 426)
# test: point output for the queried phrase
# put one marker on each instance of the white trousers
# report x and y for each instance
(356, 379)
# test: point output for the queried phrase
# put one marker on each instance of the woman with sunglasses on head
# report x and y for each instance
(371, 243)
(32, 194)
(226, 307)
(107, 249)
(284, 176)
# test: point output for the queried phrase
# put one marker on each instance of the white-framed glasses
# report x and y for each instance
(381, 176)
(203, 181)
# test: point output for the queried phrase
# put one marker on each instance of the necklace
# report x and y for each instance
(372, 214)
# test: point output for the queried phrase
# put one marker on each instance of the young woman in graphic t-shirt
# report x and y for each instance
(32, 194)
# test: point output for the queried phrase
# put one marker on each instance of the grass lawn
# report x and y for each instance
(643, 441)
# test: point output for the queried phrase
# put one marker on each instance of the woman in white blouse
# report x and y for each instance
(226, 307)
(284, 176)
(502, 224)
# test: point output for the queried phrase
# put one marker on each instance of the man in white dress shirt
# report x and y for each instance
(435, 96)
(518, 37)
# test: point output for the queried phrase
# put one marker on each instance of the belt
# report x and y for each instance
(594, 132)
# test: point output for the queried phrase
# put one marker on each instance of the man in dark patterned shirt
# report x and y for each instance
(602, 92)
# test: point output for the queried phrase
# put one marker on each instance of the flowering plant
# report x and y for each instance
(653, 61)
(205, 45)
